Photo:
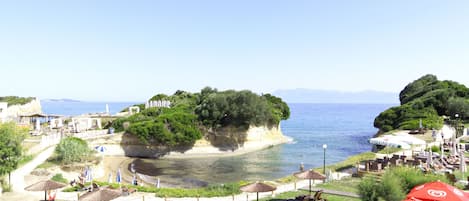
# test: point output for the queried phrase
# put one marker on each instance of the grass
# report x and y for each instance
(59, 178)
(389, 150)
(50, 162)
(286, 179)
(25, 159)
(293, 194)
(209, 191)
(350, 161)
(427, 136)
(346, 185)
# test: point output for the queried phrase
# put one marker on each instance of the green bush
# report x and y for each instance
(391, 188)
(71, 150)
(395, 183)
(369, 189)
(435, 149)
(59, 178)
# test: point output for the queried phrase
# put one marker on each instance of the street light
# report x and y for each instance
(456, 124)
(324, 147)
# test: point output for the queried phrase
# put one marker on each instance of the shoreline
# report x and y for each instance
(209, 153)
(257, 138)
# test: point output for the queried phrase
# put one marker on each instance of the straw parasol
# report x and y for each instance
(103, 194)
(257, 187)
(311, 175)
(45, 186)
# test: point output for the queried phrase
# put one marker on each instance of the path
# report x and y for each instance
(17, 176)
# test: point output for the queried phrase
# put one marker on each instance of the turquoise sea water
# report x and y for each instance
(68, 108)
(345, 128)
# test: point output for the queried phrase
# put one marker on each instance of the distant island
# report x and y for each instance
(62, 100)
(330, 96)
(426, 99)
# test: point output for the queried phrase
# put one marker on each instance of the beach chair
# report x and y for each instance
(95, 186)
(317, 196)
(83, 187)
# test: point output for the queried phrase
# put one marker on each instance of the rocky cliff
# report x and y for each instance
(32, 107)
(220, 144)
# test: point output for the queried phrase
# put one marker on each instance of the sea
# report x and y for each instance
(344, 128)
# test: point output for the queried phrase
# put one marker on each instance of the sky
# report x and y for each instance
(111, 50)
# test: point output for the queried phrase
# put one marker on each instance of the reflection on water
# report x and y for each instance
(262, 165)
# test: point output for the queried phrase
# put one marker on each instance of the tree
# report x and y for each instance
(425, 99)
(72, 149)
(458, 106)
(11, 137)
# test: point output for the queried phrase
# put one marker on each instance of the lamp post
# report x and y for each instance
(324, 147)
(456, 116)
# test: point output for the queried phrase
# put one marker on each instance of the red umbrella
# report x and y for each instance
(436, 191)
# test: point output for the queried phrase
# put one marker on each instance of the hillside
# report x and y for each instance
(428, 99)
(192, 116)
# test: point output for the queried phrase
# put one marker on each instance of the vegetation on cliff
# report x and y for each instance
(191, 114)
(15, 100)
(426, 99)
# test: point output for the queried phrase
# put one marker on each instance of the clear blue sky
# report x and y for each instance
(129, 50)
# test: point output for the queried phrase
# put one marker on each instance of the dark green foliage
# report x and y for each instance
(407, 117)
(280, 109)
(72, 149)
(232, 108)
(15, 100)
(426, 98)
(173, 127)
(417, 88)
(11, 137)
(458, 106)
(190, 114)
(159, 97)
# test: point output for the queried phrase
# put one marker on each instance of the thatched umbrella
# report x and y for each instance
(257, 187)
(45, 186)
(103, 194)
(309, 174)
